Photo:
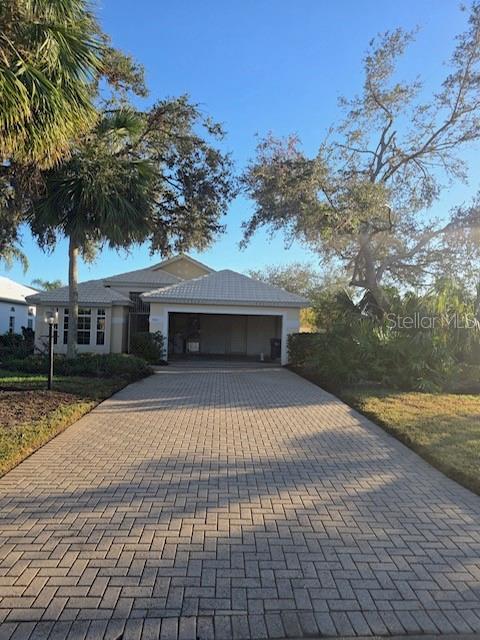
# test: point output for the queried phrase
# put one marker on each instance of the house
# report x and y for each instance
(199, 311)
(15, 311)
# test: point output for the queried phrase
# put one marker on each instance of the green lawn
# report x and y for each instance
(30, 415)
(442, 428)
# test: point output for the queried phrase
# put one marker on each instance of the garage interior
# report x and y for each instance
(192, 335)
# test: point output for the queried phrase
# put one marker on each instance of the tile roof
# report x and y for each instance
(226, 287)
(89, 292)
(149, 276)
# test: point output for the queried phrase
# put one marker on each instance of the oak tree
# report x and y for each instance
(365, 199)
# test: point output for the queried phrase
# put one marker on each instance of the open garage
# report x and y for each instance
(229, 335)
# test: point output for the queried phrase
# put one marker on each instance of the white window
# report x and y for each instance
(84, 325)
(65, 326)
(100, 326)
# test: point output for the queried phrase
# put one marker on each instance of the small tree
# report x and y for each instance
(363, 198)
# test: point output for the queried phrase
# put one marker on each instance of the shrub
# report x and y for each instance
(368, 352)
(361, 348)
(301, 346)
(17, 345)
(149, 346)
(86, 364)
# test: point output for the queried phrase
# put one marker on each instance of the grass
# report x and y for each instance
(30, 416)
(442, 428)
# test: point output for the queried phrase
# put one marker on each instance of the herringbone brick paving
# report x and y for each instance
(233, 501)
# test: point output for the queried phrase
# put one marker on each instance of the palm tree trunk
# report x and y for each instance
(72, 298)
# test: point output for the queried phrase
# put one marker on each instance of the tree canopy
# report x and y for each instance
(365, 198)
(298, 277)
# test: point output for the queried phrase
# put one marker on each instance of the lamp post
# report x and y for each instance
(52, 319)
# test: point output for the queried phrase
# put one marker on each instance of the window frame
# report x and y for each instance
(65, 325)
(99, 331)
(84, 326)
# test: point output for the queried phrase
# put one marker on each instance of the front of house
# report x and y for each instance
(199, 311)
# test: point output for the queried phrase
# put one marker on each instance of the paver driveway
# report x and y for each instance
(233, 500)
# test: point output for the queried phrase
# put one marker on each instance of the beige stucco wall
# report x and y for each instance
(289, 318)
(185, 269)
(119, 330)
(115, 328)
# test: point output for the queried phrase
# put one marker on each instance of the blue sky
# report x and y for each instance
(259, 66)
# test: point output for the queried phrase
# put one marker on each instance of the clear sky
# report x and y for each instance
(259, 66)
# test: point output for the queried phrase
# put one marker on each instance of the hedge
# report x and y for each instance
(85, 364)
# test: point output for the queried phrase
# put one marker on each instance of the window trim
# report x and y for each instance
(65, 325)
(84, 314)
(101, 315)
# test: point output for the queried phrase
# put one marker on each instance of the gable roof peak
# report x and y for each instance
(183, 256)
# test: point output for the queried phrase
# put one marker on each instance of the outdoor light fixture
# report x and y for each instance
(51, 317)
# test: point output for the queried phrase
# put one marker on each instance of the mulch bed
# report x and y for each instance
(20, 406)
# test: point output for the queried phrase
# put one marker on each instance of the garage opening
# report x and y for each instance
(193, 335)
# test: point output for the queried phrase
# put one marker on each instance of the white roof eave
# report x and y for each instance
(226, 302)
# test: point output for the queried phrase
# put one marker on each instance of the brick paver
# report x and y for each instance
(233, 501)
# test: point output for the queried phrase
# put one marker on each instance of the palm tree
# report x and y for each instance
(101, 195)
(47, 285)
(50, 53)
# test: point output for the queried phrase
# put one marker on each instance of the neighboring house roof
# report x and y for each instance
(89, 292)
(148, 276)
(11, 291)
(226, 287)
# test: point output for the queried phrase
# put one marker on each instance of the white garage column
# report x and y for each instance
(159, 322)
(290, 324)
(159, 314)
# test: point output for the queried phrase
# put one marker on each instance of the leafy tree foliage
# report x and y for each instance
(322, 289)
(364, 199)
(298, 277)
